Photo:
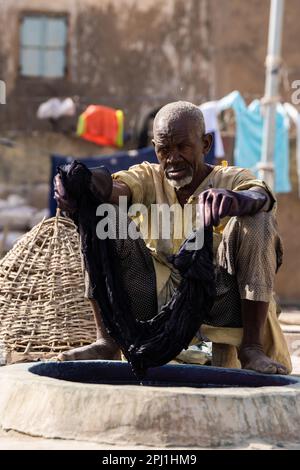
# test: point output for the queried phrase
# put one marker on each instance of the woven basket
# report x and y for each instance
(42, 306)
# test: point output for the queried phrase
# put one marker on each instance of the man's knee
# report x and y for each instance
(251, 241)
(258, 232)
(262, 225)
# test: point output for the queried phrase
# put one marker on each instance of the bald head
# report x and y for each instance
(177, 114)
(181, 144)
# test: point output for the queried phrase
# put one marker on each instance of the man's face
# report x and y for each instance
(179, 149)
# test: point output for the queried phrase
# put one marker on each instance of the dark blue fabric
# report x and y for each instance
(153, 342)
(114, 162)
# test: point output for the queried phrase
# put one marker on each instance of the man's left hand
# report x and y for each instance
(219, 203)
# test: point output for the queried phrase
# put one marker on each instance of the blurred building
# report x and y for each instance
(134, 55)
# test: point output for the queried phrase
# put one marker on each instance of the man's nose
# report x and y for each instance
(173, 156)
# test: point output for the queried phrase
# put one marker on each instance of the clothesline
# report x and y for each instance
(249, 133)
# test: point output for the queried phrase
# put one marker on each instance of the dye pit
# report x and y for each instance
(179, 405)
(172, 375)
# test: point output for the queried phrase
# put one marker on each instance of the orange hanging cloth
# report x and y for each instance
(102, 125)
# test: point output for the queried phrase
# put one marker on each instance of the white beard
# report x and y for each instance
(177, 184)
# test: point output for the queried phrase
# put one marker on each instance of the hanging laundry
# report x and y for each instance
(210, 113)
(249, 135)
(295, 117)
(102, 125)
(55, 108)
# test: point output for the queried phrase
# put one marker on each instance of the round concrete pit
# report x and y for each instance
(177, 405)
(120, 373)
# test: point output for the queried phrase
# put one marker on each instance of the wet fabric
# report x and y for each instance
(156, 341)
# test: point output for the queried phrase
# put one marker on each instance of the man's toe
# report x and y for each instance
(282, 370)
(62, 357)
(274, 368)
(268, 368)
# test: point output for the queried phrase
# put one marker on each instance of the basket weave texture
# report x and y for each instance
(42, 304)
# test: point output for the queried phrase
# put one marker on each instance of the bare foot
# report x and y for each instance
(253, 358)
(101, 349)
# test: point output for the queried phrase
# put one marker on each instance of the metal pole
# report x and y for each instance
(271, 98)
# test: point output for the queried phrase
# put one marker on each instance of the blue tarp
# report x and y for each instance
(115, 162)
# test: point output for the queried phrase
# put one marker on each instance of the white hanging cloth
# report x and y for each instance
(210, 114)
(55, 108)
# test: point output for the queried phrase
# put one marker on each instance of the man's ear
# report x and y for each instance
(207, 140)
(153, 142)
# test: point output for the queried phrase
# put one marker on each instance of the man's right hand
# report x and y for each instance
(64, 202)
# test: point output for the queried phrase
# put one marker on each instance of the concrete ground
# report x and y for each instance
(15, 441)
(290, 322)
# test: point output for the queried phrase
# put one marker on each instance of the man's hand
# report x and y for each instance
(64, 202)
(100, 185)
(219, 203)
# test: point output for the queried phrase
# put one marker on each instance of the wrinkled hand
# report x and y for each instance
(219, 203)
(216, 204)
(64, 202)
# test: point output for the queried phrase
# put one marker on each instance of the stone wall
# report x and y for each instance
(119, 53)
(140, 54)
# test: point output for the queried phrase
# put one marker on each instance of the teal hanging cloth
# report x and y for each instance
(249, 134)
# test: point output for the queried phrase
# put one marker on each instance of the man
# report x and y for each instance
(246, 243)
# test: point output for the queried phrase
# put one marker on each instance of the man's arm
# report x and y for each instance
(107, 189)
(119, 189)
(269, 201)
(219, 203)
